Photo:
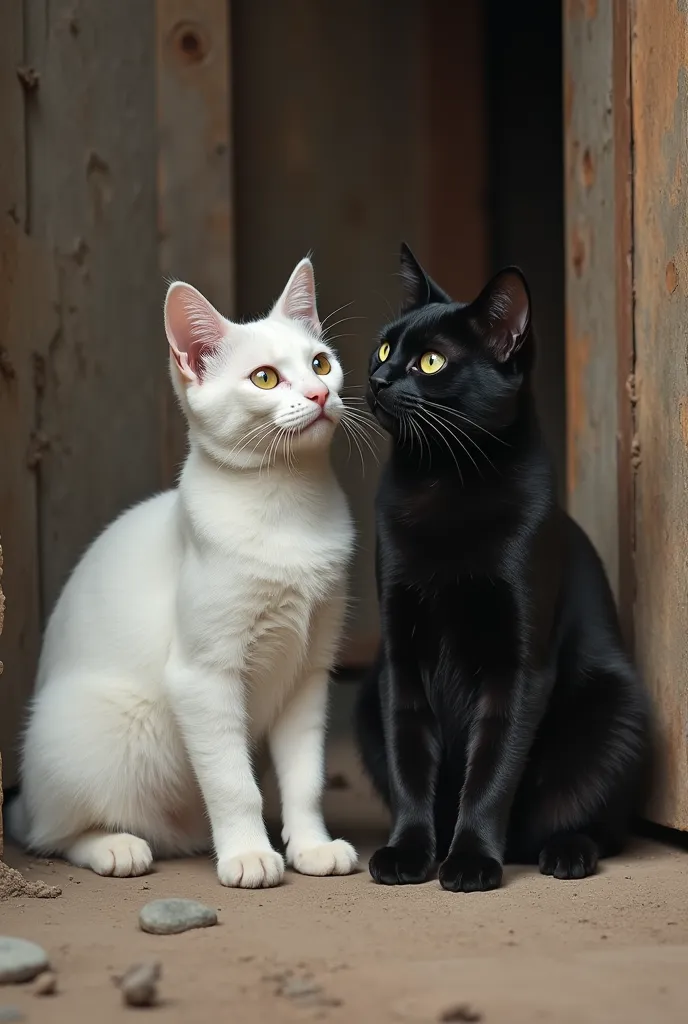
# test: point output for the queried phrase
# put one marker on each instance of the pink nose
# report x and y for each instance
(318, 395)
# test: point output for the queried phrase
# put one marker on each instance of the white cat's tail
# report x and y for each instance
(16, 821)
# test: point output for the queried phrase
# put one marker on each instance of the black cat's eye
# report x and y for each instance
(432, 362)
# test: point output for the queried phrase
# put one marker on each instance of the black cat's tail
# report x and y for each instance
(369, 730)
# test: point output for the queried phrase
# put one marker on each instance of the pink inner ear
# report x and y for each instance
(194, 329)
(297, 301)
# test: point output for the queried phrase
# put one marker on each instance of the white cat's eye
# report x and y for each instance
(431, 362)
(265, 378)
(321, 365)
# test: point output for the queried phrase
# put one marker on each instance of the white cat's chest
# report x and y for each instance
(256, 603)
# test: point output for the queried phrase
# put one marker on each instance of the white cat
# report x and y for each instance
(203, 620)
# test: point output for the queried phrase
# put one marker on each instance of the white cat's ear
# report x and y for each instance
(194, 329)
(297, 301)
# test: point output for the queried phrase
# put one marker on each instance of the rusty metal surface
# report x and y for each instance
(591, 259)
(660, 126)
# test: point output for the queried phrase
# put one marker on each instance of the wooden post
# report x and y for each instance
(627, 304)
(596, 144)
(660, 117)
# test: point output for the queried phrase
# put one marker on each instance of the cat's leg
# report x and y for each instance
(105, 777)
(584, 775)
(297, 742)
(500, 735)
(297, 748)
(412, 746)
(210, 708)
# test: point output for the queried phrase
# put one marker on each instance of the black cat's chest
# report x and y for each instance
(437, 529)
(465, 635)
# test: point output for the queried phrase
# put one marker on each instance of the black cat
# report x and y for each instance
(503, 719)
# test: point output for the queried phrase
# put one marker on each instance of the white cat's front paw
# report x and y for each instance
(334, 858)
(123, 855)
(255, 869)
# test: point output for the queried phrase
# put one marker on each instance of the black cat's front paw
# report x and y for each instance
(470, 872)
(569, 856)
(400, 865)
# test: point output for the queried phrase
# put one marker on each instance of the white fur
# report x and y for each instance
(202, 621)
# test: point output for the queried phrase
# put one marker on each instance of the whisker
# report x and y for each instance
(357, 429)
(466, 419)
(364, 420)
(247, 437)
(449, 447)
(335, 311)
(458, 440)
(454, 426)
(349, 430)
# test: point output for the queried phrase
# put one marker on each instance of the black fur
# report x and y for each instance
(503, 719)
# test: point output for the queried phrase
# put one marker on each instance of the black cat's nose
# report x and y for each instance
(377, 383)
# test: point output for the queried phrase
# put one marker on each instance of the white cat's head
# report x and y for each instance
(258, 392)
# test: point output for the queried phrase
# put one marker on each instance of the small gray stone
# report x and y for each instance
(169, 917)
(20, 960)
(10, 1014)
(45, 984)
(139, 985)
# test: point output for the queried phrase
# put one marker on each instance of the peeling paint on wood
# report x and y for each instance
(660, 121)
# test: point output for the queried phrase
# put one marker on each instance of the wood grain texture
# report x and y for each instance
(591, 259)
(91, 174)
(25, 322)
(660, 120)
(625, 335)
(195, 214)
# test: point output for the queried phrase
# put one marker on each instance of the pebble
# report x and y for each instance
(20, 960)
(139, 986)
(171, 916)
(460, 1012)
(46, 984)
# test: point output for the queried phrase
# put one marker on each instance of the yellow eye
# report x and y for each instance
(383, 351)
(431, 362)
(321, 365)
(265, 378)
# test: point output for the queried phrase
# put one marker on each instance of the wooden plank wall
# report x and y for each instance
(114, 174)
(626, 115)
(92, 189)
(660, 132)
(348, 155)
(27, 284)
(591, 270)
(194, 165)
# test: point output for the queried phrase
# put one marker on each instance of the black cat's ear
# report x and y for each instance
(501, 313)
(417, 289)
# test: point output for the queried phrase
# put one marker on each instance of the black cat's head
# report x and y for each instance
(451, 366)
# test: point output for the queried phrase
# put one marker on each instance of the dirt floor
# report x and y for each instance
(613, 948)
